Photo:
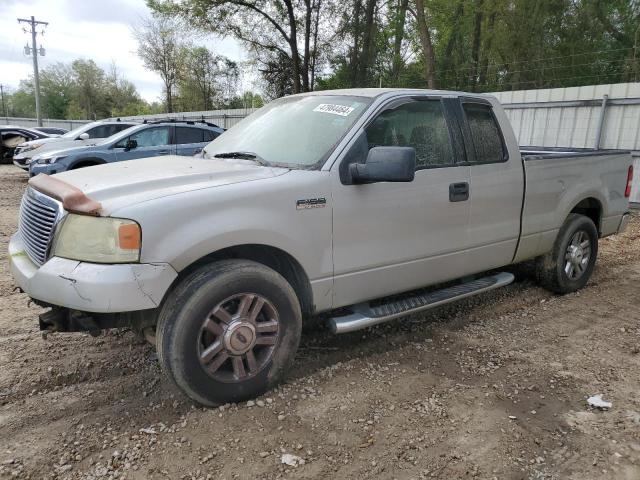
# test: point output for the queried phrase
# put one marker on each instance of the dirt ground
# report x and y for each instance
(494, 387)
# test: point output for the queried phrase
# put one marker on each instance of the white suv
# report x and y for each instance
(84, 135)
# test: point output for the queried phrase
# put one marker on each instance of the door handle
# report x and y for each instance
(162, 152)
(459, 192)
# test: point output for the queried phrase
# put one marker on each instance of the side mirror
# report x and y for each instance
(84, 136)
(385, 164)
(131, 144)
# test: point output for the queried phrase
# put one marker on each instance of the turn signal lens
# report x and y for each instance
(129, 236)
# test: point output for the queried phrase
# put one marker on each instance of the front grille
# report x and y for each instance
(38, 218)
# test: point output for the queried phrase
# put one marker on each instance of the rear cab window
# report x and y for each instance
(486, 137)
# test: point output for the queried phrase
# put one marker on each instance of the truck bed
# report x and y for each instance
(555, 178)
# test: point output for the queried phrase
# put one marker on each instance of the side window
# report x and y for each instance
(120, 127)
(485, 133)
(210, 135)
(101, 131)
(122, 143)
(188, 135)
(110, 130)
(419, 124)
(152, 137)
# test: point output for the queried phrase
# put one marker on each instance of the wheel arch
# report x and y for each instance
(86, 162)
(589, 207)
(275, 258)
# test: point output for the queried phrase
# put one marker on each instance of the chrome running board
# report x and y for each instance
(364, 315)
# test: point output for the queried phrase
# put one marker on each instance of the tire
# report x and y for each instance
(211, 319)
(565, 269)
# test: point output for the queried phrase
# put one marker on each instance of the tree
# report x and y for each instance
(80, 90)
(56, 89)
(426, 43)
(122, 96)
(160, 47)
(206, 80)
(284, 30)
(90, 88)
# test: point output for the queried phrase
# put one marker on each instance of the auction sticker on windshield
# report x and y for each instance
(341, 110)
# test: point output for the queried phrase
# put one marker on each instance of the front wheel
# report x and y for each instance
(569, 265)
(229, 331)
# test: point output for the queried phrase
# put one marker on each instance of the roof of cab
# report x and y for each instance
(376, 92)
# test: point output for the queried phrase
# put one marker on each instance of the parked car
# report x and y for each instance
(12, 136)
(52, 130)
(366, 205)
(87, 134)
(146, 140)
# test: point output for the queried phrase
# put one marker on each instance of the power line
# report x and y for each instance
(544, 59)
(33, 23)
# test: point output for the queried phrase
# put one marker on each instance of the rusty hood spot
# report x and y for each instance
(73, 199)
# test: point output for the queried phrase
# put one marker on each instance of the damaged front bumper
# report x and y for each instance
(90, 287)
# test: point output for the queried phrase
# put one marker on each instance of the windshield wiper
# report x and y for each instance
(245, 156)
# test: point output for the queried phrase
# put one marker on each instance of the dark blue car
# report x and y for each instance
(141, 141)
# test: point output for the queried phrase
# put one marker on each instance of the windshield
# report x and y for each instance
(77, 131)
(296, 132)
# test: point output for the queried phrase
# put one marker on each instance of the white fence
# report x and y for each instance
(596, 116)
(46, 122)
(223, 118)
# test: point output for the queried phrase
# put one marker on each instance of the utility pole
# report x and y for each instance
(33, 23)
(4, 106)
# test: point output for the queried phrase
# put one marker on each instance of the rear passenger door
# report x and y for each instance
(497, 184)
(393, 237)
(190, 140)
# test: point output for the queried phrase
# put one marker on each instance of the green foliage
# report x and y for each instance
(206, 81)
(80, 90)
(477, 45)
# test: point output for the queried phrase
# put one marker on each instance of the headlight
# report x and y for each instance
(45, 160)
(98, 239)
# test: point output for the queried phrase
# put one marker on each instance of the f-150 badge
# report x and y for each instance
(311, 203)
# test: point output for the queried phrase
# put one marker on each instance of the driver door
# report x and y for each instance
(394, 237)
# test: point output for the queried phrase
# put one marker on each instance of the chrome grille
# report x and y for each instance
(38, 217)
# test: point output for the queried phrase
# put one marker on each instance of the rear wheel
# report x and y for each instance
(569, 265)
(229, 331)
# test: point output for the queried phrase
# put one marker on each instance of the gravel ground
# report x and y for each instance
(494, 387)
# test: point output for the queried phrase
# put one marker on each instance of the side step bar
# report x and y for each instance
(364, 315)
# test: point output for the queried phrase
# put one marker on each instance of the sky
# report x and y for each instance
(89, 29)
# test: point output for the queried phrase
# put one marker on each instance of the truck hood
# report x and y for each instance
(120, 184)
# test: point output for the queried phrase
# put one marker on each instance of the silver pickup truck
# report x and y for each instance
(367, 205)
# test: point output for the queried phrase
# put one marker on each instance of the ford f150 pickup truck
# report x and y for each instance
(364, 204)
